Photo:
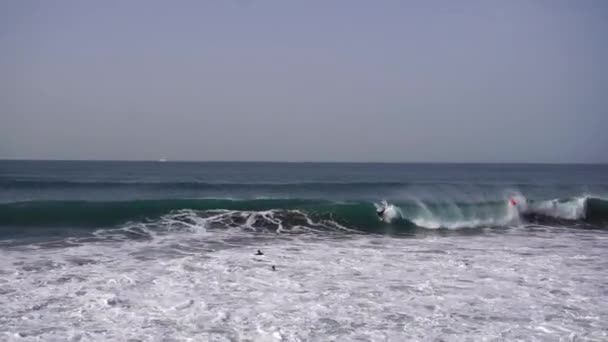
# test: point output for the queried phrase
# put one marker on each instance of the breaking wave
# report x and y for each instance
(283, 215)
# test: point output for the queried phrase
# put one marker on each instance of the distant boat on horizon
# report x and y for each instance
(162, 160)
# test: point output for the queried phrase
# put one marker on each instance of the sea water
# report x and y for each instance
(166, 251)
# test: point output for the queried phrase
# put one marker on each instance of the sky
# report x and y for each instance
(378, 81)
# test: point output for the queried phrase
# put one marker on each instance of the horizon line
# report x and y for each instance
(301, 162)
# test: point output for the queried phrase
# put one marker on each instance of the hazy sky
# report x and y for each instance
(452, 81)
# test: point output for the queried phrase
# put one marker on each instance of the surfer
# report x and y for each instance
(380, 212)
(521, 202)
(259, 252)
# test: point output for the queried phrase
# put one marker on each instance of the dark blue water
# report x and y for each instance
(62, 180)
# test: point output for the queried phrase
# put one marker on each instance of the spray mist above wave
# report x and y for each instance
(450, 215)
(513, 211)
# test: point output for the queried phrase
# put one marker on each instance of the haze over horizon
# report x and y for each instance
(415, 81)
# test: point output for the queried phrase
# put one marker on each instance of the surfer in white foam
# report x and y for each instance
(386, 212)
(380, 211)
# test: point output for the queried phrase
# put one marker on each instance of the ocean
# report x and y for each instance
(166, 251)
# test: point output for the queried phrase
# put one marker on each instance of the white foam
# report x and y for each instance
(390, 212)
(452, 216)
(363, 287)
(573, 209)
